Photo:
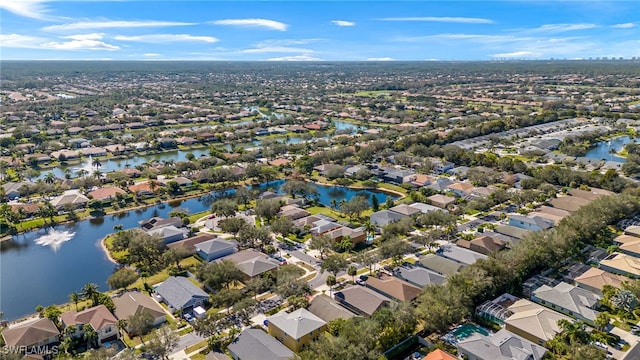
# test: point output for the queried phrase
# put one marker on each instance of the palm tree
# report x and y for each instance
(96, 162)
(90, 291)
(334, 204)
(75, 297)
(67, 173)
(49, 178)
(573, 332)
(352, 271)
(97, 174)
(90, 335)
(625, 300)
(82, 173)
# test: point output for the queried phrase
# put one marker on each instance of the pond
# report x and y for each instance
(119, 164)
(40, 267)
(607, 149)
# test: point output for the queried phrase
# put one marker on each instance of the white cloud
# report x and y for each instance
(480, 38)
(563, 27)
(109, 24)
(257, 23)
(624, 26)
(381, 59)
(81, 42)
(304, 57)
(19, 41)
(165, 38)
(276, 49)
(151, 55)
(287, 42)
(33, 9)
(518, 54)
(446, 19)
(343, 23)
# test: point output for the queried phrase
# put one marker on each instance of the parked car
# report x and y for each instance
(188, 317)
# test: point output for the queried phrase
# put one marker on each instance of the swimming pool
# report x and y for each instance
(466, 330)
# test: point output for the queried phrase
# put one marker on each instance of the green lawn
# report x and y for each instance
(195, 347)
(195, 217)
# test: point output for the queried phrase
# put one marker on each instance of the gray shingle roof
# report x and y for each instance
(296, 324)
(419, 276)
(572, 298)
(178, 291)
(215, 245)
(328, 309)
(255, 344)
(503, 345)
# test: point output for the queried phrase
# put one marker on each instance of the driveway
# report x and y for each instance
(304, 257)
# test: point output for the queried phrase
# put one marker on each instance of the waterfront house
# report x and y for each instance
(502, 345)
(568, 299)
(169, 234)
(383, 218)
(134, 302)
(71, 198)
(254, 344)
(215, 248)
(361, 300)
(106, 194)
(98, 317)
(179, 293)
(296, 329)
(31, 335)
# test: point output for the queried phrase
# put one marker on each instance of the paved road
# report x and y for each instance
(304, 257)
(187, 340)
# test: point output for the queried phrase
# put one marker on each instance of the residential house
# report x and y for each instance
(591, 194)
(158, 222)
(71, 198)
(293, 212)
(179, 293)
(296, 329)
(633, 230)
(252, 262)
(352, 170)
(441, 201)
(356, 235)
(418, 275)
(438, 354)
(393, 287)
(169, 233)
(181, 180)
(496, 310)
(93, 151)
(31, 335)
(459, 172)
(145, 188)
(483, 244)
(440, 184)
(106, 194)
(568, 299)
(512, 231)
(12, 189)
(533, 223)
(459, 254)
(440, 264)
(328, 309)
(253, 344)
(569, 203)
(503, 345)
(361, 300)
(405, 210)
(623, 264)
(98, 317)
(191, 242)
(383, 218)
(426, 208)
(441, 167)
(134, 302)
(461, 189)
(595, 279)
(399, 176)
(534, 322)
(420, 180)
(215, 248)
(279, 162)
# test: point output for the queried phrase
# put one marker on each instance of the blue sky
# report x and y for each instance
(317, 30)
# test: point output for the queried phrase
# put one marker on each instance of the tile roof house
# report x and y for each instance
(568, 299)
(180, 293)
(440, 264)
(534, 322)
(385, 217)
(503, 345)
(107, 193)
(591, 194)
(216, 248)
(296, 329)
(438, 354)
(252, 262)
(633, 230)
(253, 344)
(393, 287)
(190, 243)
(32, 333)
(361, 300)
(630, 247)
(569, 203)
(622, 264)
(135, 302)
(169, 233)
(328, 309)
(426, 208)
(406, 210)
(70, 197)
(99, 317)
(594, 279)
(419, 276)
(461, 189)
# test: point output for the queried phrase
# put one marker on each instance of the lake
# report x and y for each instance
(32, 274)
(602, 150)
(109, 165)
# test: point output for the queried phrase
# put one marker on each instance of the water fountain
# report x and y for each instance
(54, 238)
(87, 168)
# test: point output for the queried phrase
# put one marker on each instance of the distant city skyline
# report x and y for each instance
(318, 30)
